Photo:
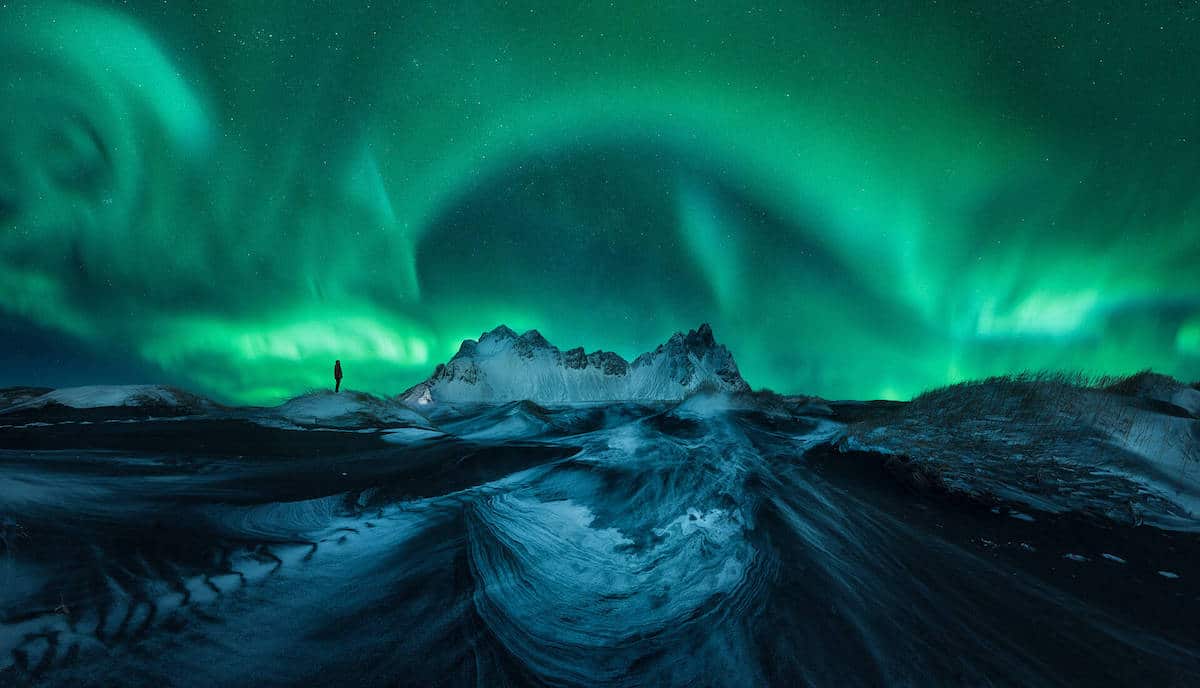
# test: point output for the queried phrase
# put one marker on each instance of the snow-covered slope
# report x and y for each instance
(1050, 445)
(14, 396)
(516, 420)
(1149, 385)
(502, 366)
(344, 411)
(113, 396)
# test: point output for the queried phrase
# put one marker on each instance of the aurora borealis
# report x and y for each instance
(864, 199)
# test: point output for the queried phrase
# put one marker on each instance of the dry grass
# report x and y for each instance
(1035, 414)
(1131, 385)
(1120, 384)
(1047, 403)
(1036, 434)
(1069, 399)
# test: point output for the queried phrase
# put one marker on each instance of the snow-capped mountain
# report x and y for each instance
(504, 366)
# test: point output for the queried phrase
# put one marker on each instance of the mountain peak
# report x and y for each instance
(697, 342)
(501, 331)
(503, 366)
(535, 338)
(701, 337)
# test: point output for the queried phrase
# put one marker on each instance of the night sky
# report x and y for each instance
(864, 199)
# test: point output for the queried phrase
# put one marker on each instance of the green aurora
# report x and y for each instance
(864, 199)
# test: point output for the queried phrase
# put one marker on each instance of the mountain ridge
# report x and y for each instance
(505, 366)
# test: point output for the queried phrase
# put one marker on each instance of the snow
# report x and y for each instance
(1160, 387)
(105, 396)
(1050, 447)
(652, 527)
(704, 406)
(1187, 399)
(410, 435)
(511, 421)
(1161, 453)
(321, 406)
(346, 409)
(502, 366)
(544, 556)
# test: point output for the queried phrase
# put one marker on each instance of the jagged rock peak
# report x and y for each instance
(504, 366)
(534, 337)
(701, 337)
(468, 347)
(499, 332)
(532, 341)
(697, 341)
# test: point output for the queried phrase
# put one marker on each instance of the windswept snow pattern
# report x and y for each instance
(718, 541)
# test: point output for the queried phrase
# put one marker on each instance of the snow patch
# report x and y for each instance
(1049, 446)
(344, 410)
(107, 396)
(1187, 399)
(411, 435)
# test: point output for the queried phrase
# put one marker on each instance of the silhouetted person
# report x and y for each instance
(337, 376)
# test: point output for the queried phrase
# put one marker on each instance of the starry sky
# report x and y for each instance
(865, 199)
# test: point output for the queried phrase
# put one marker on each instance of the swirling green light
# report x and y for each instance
(877, 200)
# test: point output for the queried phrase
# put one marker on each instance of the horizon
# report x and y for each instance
(1072, 376)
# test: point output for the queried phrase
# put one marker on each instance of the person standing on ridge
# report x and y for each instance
(337, 376)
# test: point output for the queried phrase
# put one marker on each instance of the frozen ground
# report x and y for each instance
(347, 410)
(1129, 456)
(721, 540)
